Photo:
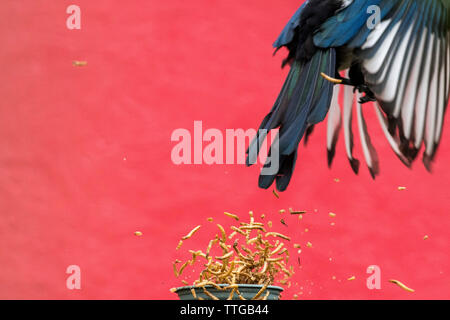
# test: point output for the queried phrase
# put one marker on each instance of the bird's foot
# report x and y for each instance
(369, 95)
(362, 88)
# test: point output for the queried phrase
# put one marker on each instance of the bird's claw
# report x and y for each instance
(369, 95)
(362, 88)
(366, 99)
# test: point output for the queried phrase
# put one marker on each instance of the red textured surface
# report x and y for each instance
(85, 157)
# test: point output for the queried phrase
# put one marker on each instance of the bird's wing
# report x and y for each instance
(406, 62)
(287, 35)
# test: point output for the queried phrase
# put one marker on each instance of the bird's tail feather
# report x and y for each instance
(303, 101)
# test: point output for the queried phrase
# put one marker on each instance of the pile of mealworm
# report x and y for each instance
(248, 255)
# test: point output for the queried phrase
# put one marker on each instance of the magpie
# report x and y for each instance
(401, 63)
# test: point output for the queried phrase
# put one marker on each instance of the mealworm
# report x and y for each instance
(209, 294)
(226, 256)
(231, 215)
(183, 266)
(401, 285)
(279, 235)
(277, 249)
(238, 230)
(260, 292)
(231, 236)
(175, 271)
(77, 63)
(296, 212)
(190, 234)
(222, 231)
(275, 193)
(230, 297)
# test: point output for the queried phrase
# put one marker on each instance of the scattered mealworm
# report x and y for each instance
(238, 230)
(401, 188)
(190, 234)
(235, 217)
(138, 233)
(331, 214)
(226, 256)
(175, 271)
(230, 297)
(279, 235)
(401, 285)
(281, 245)
(266, 296)
(209, 294)
(184, 265)
(256, 262)
(351, 278)
(253, 227)
(231, 236)
(179, 244)
(222, 231)
(260, 292)
(77, 63)
(296, 212)
(275, 193)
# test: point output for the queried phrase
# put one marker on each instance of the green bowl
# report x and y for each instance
(248, 291)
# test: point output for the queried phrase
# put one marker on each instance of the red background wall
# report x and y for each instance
(85, 157)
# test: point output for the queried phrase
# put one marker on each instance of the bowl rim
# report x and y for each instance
(225, 285)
